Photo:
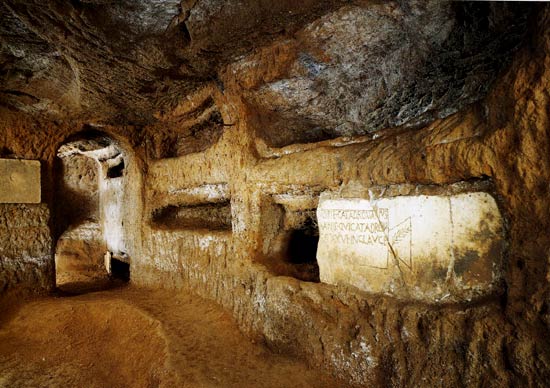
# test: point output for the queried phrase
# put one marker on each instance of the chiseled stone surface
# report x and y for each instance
(427, 247)
(25, 248)
(20, 181)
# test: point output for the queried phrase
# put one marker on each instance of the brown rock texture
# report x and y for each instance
(496, 340)
(227, 161)
(81, 249)
(25, 249)
(139, 338)
(77, 192)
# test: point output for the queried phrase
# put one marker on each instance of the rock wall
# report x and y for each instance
(495, 339)
(217, 217)
(25, 249)
(81, 249)
(80, 244)
(77, 191)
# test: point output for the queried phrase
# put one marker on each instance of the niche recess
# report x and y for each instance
(274, 141)
(211, 216)
(119, 269)
(290, 236)
(116, 170)
(186, 131)
(277, 130)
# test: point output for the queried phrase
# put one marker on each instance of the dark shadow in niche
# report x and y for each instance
(72, 207)
(116, 171)
(120, 270)
(278, 130)
(211, 216)
(302, 244)
(293, 236)
(301, 250)
(171, 143)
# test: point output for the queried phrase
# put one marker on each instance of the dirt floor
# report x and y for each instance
(130, 337)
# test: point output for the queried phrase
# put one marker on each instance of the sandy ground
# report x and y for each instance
(130, 337)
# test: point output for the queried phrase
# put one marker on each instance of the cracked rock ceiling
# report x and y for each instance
(353, 67)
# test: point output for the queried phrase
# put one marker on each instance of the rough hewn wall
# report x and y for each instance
(36, 138)
(497, 340)
(26, 257)
(78, 190)
(77, 209)
(25, 248)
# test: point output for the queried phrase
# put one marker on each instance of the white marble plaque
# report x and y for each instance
(20, 181)
(409, 241)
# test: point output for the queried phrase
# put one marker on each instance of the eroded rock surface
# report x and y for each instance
(234, 129)
(427, 247)
(25, 248)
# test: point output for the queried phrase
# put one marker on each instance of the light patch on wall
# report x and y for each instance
(20, 181)
(412, 245)
(205, 242)
(209, 192)
(112, 201)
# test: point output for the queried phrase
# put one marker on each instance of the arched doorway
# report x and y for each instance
(91, 212)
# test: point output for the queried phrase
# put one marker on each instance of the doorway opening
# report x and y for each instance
(90, 180)
(120, 269)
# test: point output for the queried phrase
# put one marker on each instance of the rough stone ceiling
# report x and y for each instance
(356, 66)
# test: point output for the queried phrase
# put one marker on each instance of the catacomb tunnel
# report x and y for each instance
(250, 193)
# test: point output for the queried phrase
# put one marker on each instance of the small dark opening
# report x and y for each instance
(120, 269)
(302, 246)
(116, 171)
(302, 250)
(212, 216)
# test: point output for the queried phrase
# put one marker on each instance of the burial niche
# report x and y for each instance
(290, 236)
(209, 216)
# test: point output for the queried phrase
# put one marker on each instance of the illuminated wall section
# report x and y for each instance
(426, 247)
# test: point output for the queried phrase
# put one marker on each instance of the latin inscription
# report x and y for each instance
(366, 233)
(345, 226)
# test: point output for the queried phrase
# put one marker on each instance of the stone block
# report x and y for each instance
(20, 181)
(425, 247)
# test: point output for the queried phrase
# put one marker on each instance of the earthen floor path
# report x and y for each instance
(130, 337)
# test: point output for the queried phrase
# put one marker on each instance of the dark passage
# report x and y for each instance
(120, 269)
(302, 246)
